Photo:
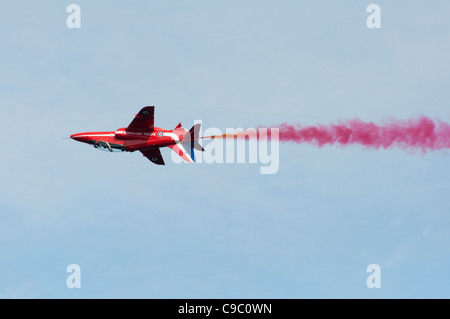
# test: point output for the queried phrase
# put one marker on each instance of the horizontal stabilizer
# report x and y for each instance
(181, 151)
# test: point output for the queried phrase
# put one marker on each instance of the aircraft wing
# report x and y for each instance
(144, 121)
(154, 155)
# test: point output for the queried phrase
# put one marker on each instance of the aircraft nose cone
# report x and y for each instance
(75, 137)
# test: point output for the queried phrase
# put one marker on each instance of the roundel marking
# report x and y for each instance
(145, 112)
(160, 134)
(154, 159)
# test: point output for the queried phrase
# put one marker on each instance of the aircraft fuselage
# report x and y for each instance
(123, 140)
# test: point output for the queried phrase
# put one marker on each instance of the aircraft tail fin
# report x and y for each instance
(192, 137)
(189, 142)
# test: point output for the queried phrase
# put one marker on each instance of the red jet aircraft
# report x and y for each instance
(142, 136)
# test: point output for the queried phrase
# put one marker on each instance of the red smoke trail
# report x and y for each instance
(422, 133)
(415, 134)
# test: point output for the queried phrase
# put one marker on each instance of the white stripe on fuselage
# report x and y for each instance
(112, 134)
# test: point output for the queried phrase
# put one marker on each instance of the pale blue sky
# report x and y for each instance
(221, 231)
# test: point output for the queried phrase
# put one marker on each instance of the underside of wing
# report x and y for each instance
(144, 121)
(154, 155)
